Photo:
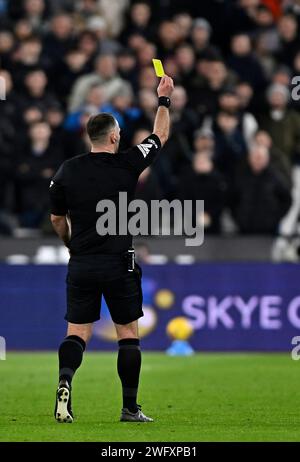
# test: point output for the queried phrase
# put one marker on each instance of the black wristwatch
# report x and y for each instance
(164, 101)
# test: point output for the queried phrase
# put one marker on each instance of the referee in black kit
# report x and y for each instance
(98, 264)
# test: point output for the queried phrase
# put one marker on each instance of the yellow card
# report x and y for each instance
(158, 67)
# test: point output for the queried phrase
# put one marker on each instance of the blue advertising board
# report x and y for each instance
(232, 306)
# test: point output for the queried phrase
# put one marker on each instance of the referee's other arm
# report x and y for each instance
(62, 227)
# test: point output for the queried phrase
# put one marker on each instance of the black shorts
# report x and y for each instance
(91, 276)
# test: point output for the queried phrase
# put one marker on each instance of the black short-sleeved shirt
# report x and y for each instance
(83, 181)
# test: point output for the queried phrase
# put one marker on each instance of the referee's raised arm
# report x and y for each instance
(162, 119)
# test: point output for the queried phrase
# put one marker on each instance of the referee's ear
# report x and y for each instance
(57, 219)
(115, 135)
(113, 138)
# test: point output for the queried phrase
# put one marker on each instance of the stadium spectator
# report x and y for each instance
(35, 165)
(230, 145)
(127, 115)
(204, 140)
(292, 7)
(148, 104)
(138, 21)
(35, 13)
(73, 65)
(146, 54)
(185, 60)
(35, 91)
(94, 101)
(212, 76)
(282, 75)
(203, 182)
(281, 119)
(27, 58)
(178, 147)
(184, 22)
(277, 158)
(105, 74)
(245, 95)
(127, 67)
(263, 44)
(71, 143)
(289, 39)
(23, 29)
(262, 196)
(244, 63)
(60, 37)
(168, 37)
(185, 120)
(88, 45)
(30, 115)
(7, 42)
(266, 24)
(229, 101)
(105, 43)
(147, 78)
(113, 11)
(200, 36)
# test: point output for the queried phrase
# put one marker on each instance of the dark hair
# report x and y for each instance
(88, 33)
(31, 38)
(99, 126)
(226, 113)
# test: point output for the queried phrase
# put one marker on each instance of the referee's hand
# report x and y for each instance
(165, 87)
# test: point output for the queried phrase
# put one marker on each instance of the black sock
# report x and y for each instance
(70, 357)
(129, 365)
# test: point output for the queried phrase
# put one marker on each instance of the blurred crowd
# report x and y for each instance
(235, 137)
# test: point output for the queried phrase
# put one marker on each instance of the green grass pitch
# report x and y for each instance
(207, 397)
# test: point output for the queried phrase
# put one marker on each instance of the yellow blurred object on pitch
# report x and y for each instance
(180, 328)
(158, 67)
